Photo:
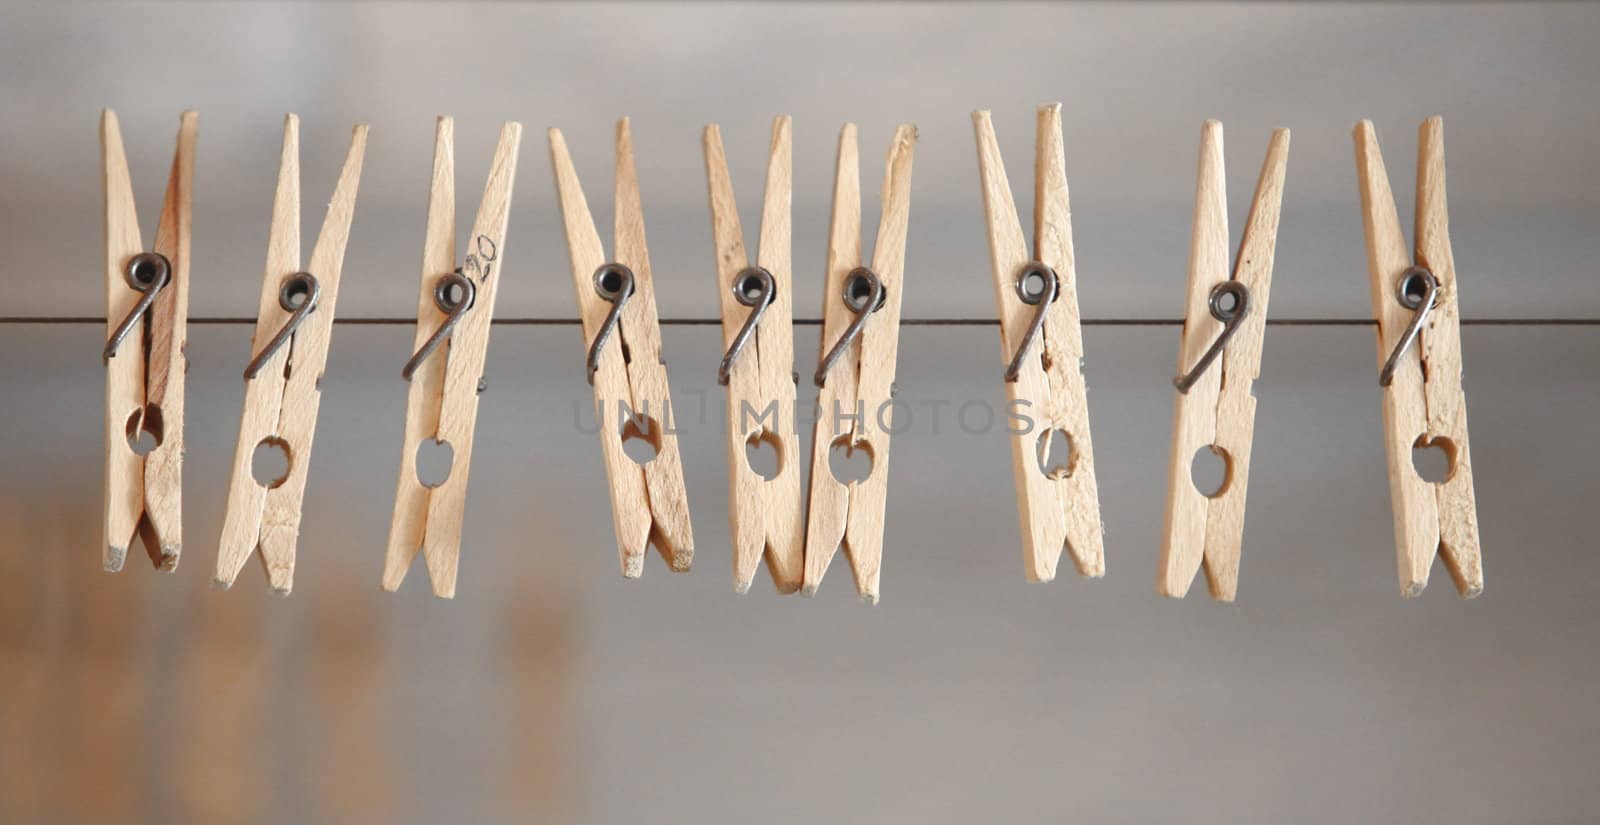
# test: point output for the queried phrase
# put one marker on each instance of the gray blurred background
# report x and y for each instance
(552, 690)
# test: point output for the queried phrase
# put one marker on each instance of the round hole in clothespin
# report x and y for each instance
(144, 430)
(1210, 470)
(1434, 459)
(1056, 456)
(270, 462)
(764, 454)
(850, 461)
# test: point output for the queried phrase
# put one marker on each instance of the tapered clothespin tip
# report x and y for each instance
(115, 558)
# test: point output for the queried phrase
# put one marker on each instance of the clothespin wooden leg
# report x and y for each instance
(858, 385)
(144, 380)
(1219, 360)
(764, 513)
(281, 399)
(1061, 509)
(425, 393)
(648, 502)
(1423, 402)
(125, 372)
(445, 386)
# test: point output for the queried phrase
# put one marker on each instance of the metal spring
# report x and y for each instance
(753, 287)
(298, 295)
(1034, 273)
(453, 294)
(613, 282)
(1231, 316)
(863, 294)
(1421, 302)
(149, 273)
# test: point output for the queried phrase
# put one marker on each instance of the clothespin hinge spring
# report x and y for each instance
(1037, 285)
(298, 295)
(864, 295)
(454, 295)
(753, 287)
(1229, 303)
(613, 282)
(1417, 290)
(149, 273)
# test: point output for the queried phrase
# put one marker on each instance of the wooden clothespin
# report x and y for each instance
(632, 400)
(758, 368)
(855, 378)
(446, 371)
(1218, 362)
(283, 377)
(1037, 296)
(147, 312)
(1417, 307)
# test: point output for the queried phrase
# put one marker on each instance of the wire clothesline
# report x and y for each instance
(536, 321)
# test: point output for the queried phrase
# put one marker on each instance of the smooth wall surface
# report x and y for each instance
(552, 690)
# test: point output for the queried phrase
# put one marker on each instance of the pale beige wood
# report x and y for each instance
(144, 387)
(1440, 351)
(285, 407)
(869, 366)
(425, 395)
(447, 408)
(1218, 412)
(125, 373)
(1059, 511)
(649, 504)
(828, 500)
(764, 514)
(167, 357)
(1424, 404)
(464, 368)
(1194, 420)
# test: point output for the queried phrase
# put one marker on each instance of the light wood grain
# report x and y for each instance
(1218, 412)
(1424, 404)
(125, 373)
(281, 402)
(764, 514)
(1059, 511)
(827, 500)
(446, 407)
(425, 395)
(144, 386)
(869, 365)
(649, 503)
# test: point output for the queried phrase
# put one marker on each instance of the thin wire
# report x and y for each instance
(533, 321)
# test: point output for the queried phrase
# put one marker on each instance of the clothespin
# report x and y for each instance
(147, 312)
(855, 378)
(1218, 363)
(1037, 296)
(758, 367)
(1417, 307)
(632, 399)
(446, 371)
(283, 378)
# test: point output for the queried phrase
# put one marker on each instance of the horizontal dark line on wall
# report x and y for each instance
(85, 320)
